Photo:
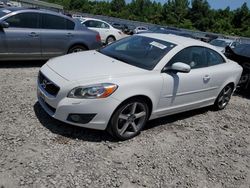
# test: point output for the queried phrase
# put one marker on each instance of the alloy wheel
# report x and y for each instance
(224, 97)
(131, 119)
(110, 40)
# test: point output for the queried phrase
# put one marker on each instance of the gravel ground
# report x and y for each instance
(201, 148)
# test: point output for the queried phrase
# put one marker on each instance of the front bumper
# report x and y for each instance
(102, 108)
(60, 106)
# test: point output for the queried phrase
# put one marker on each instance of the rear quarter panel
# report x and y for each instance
(85, 37)
(221, 75)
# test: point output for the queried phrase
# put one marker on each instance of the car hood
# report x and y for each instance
(91, 65)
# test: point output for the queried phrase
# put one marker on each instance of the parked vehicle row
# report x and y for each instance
(146, 76)
(28, 34)
(107, 32)
(222, 43)
(167, 30)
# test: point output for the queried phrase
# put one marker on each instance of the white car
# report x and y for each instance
(107, 32)
(145, 76)
(139, 29)
(221, 43)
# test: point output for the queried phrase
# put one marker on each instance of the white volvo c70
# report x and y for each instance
(121, 86)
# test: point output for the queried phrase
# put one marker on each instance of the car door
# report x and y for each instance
(219, 71)
(183, 91)
(56, 34)
(22, 37)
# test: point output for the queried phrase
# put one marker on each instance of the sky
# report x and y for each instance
(222, 4)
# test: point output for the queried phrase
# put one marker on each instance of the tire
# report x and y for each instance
(223, 98)
(77, 48)
(110, 39)
(129, 119)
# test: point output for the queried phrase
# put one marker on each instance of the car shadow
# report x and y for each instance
(21, 64)
(242, 93)
(69, 131)
(84, 134)
(171, 119)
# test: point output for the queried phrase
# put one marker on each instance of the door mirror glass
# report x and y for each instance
(4, 24)
(178, 67)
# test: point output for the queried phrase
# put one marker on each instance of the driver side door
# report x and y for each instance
(183, 91)
(22, 37)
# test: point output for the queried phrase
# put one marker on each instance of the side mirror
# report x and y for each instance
(4, 24)
(178, 67)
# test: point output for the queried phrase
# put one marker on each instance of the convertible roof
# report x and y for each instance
(179, 40)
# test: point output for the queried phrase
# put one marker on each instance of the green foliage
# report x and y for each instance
(196, 15)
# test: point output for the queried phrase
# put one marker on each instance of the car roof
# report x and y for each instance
(226, 40)
(86, 18)
(21, 9)
(176, 39)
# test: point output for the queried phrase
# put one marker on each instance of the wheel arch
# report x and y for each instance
(77, 44)
(144, 97)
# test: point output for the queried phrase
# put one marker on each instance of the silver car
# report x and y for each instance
(38, 34)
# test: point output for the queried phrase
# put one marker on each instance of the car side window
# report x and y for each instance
(192, 56)
(56, 22)
(93, 23)
(214, 58)
(70, 25)
(24, 20)
(89, 23)
(104, 25)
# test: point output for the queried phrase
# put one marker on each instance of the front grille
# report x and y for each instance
(47, 85)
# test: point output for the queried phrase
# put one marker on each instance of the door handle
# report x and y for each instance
(69, 35)
(33, 34)
(206, 78)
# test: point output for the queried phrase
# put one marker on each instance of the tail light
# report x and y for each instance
(98, 38)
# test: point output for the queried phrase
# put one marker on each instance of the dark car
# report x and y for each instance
(125, 28)
(38, 34)
(241, 54)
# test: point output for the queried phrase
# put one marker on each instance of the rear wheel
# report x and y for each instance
(223, 98)
(129, 119)
(77, 48)
(110, 39)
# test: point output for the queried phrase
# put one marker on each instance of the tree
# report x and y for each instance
(117, 5)
(175, 12)
(201, 15)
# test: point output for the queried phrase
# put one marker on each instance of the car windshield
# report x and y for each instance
(139, 51)
(220, 43)
(243, 50)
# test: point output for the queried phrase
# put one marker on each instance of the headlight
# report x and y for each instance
(94, 91)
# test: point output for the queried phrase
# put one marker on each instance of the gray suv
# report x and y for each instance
(27, 34)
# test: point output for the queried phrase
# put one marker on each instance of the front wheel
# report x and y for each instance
(223, 98)
(129, 119)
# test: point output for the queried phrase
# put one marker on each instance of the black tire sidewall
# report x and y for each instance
(112, 127)
(75, 47)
